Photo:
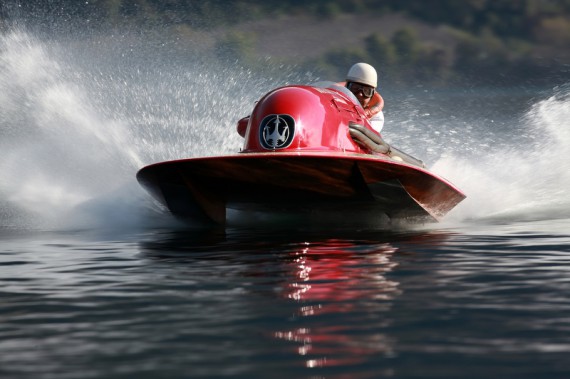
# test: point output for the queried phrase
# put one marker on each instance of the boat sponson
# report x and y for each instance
(205, 187)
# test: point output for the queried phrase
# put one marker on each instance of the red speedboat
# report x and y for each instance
(307, 149)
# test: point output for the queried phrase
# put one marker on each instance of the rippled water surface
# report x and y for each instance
(468, 302)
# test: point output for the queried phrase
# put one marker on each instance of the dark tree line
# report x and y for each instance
(511, 40)
(515, 18)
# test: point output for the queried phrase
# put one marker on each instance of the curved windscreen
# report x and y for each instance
(335, 86)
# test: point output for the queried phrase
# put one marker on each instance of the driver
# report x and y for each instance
(362, 81)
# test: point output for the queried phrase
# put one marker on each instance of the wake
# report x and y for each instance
(527, 180)
(78, 122)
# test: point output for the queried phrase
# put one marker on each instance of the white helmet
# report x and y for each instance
(363, 73)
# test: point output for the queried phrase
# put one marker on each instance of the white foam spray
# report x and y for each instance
(57, 150)
(524, 178)
(80, 117)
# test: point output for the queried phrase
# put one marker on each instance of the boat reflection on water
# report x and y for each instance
(326, 301)
(339, 286)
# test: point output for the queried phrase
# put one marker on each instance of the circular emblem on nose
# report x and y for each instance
(276, 131)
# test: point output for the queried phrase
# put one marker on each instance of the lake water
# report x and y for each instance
(97, 281)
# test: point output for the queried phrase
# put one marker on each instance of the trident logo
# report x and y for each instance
(276, 131)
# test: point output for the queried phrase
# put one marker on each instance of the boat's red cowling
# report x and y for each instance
(319, 118)
(298, 154)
